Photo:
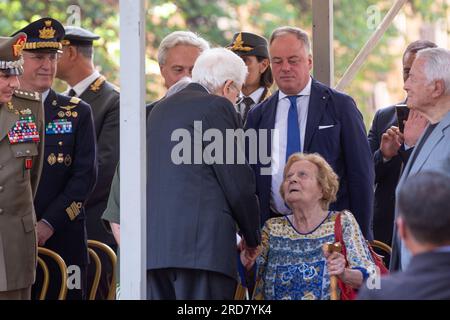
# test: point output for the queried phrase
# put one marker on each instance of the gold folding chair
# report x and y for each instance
(94, 244)
(382, 246)
(62, 268)
(98, 271)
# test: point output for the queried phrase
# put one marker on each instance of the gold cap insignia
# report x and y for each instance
(238, 44)
(19, 45)
(47, 32)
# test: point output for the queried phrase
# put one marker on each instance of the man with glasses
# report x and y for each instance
(70, 169)
(195, 204)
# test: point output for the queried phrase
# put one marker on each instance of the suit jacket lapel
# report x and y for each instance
(436, 136)
(317, 104)
(268, 119)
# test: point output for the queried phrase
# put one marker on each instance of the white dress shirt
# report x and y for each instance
(279, 142)
(255, 95)
(81, 86)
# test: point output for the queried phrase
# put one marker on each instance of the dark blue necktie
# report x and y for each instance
(293, 129)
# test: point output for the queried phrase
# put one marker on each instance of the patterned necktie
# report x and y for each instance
(293, 129)
(72, 93)
(248, 103)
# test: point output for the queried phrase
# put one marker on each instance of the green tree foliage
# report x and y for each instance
(354, 22)
(98, 16)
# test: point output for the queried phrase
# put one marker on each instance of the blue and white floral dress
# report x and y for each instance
(292, 265)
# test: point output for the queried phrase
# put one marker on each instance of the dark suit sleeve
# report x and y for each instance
(237, 180)
(405, 154)
(107, 152)
(374, 134)
(382, 168)
(359, 165)
(84, 174)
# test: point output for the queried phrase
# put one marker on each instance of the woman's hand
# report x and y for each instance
(335, 264)
(336, 267)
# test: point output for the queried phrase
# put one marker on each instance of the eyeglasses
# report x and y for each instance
(239, 98)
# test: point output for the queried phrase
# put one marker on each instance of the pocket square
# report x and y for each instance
(326, 127)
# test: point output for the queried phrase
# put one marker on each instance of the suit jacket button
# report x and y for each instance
(1, 211)
(1, 188)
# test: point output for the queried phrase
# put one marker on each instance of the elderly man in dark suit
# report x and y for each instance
(196, 199)
(70, 168)
(310, 117)
(423, 225)
(21, 155)
(390, 158)
(76, 67)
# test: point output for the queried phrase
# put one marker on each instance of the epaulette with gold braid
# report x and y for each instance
(29, 95)
(75, 100)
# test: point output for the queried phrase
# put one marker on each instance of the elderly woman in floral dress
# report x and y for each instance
(292, 264)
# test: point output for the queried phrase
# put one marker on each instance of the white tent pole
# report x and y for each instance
(369, 46)
(132, 151)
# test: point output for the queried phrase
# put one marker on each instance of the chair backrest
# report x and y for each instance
(94, 244)
(98, 271)
(382, 249)
(382, 246)
(62, 268)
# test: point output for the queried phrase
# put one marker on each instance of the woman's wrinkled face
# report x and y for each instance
(300, 184)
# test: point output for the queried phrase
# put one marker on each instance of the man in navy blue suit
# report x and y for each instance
(69, 172)
(310, 117)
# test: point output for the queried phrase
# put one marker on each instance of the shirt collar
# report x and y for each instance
(81, 86)
(45, 94)
(305, 92)
(256, 95)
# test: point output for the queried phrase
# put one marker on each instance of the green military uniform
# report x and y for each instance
(104, 99)
(21, 150)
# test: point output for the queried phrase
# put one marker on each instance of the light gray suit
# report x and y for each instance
(433, 156)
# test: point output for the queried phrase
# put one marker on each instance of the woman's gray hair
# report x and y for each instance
(300, 34)
(436, 65)
(176, 38)
(215, 66)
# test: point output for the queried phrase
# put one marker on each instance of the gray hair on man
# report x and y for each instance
(301, 35)
(436, 65)
(176, 38)
(215, 66)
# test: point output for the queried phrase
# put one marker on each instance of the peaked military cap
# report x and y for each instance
(44, 34)
(78, 37)
(249, 44)
(11, 60)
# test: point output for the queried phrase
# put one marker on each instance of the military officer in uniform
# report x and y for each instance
(21, 153)
(70, 168)
(253, 50)
(76, 67)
